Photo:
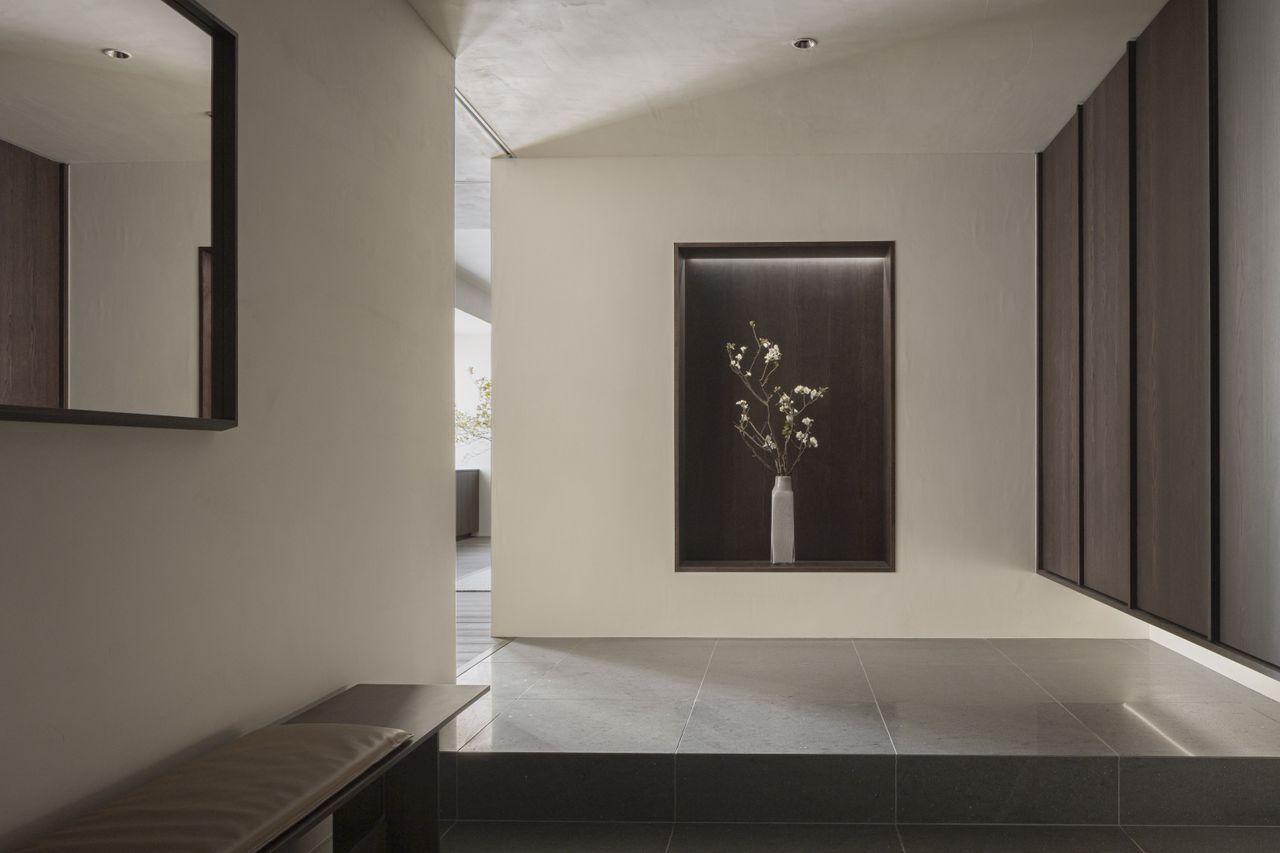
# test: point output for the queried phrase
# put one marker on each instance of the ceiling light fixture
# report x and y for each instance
(115, 53)
(804, 43)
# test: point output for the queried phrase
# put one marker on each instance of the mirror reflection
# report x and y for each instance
(105, 260)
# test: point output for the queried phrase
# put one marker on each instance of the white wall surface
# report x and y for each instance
(583, 367)
(133, 294)
(471, 258)
(162, 591)
(472, 341)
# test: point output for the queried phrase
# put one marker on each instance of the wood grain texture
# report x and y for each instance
(1249, 300)
(31, 215)
(224, 324)
(205, 331)
(1060, 354)
(1174, 431)
(830, 309)
(1105, 279)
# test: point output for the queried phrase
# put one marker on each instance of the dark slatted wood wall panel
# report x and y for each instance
(1060, 354)
(30, 279)
(1174, 433)
(1105, 279)
(1249, 295)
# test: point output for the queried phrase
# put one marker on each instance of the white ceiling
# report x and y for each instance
(644, 77)
(62, 98)
(473, 149)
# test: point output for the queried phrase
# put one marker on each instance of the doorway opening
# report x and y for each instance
(476, 143)
(472, 438)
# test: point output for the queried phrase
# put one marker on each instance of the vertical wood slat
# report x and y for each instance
(1059, 419)
(31, 214)
(1173, 328)
(1105, 334)
(1249, 370)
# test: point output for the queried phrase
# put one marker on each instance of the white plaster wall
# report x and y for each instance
(583, 357)
(161, 591)
(133, 292)
(471, 257)
(472, 350)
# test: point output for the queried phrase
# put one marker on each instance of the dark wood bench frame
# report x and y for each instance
(398, 790)
(400, 795)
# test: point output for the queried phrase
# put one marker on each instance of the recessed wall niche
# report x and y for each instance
(828, 307)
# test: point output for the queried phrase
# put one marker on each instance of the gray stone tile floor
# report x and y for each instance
(926, 697)
(514, 837)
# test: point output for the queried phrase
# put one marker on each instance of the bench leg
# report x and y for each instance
(413, 801)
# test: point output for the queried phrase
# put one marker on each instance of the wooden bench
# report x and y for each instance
(368, 758)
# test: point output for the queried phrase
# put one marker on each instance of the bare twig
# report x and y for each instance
(761, 438)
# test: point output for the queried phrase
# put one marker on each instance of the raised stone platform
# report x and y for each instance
(1053, 732)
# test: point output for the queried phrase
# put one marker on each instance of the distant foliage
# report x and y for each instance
(476, 425)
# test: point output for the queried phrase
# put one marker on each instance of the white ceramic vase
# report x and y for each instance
(782, 540)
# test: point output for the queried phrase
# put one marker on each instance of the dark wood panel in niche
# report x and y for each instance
(1106, 481)
(830, 308)
(1060, 354)
(1249, 370)
(31, 278)
(1173, 322)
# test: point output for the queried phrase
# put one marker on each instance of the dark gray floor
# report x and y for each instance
(1069, 698)
(473, 601)
(774, 838)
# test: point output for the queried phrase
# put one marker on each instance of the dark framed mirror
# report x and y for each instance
(118, 215)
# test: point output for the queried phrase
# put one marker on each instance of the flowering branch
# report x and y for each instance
(777, 455)
(476, 425)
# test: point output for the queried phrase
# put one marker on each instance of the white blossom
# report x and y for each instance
(761, 436)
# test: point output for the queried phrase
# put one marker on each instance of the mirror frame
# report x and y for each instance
(223, 356)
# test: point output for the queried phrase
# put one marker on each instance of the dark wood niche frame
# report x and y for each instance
(878, 250)
(224, 414)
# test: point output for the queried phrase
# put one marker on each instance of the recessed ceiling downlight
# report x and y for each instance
(805, 43)
(116, 53)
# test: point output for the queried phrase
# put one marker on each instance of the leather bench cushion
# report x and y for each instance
(235, 798)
